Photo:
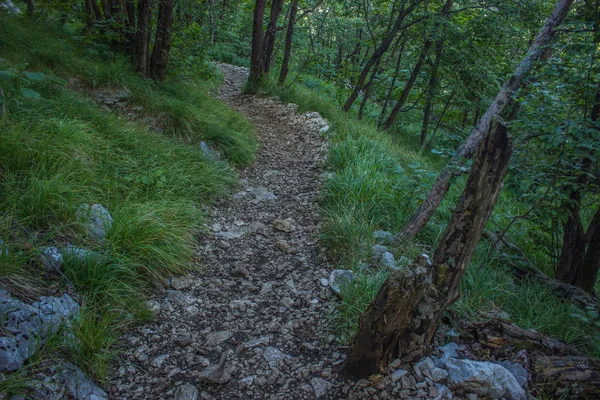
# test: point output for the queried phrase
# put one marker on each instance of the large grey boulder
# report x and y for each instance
(96, 219)
(79, 387)
(483, 379)
(29, 326)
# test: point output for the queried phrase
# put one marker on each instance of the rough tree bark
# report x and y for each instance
(480, 131)
(271, 33)
(287, 53)
(162, 41)
(403, 318)
(417, 68)
(379, 51)
(257, 56)
(142, 37)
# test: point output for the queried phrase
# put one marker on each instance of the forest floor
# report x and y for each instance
(256, 304)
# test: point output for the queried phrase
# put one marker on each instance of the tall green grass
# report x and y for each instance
(65, 149)
(375, 181)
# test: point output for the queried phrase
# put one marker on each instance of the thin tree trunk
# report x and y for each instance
(130, 29)
(433, 82)
(162, 41)
(30, 6)
(409, 85)
(417, 68)
(439, 121)
(367, 92)
(378, 53)
(143, 35)
(388, 96)
(2, 105)
(288, 43)
(96, 9)
(271, 33)
(465, 118)
(441, 185)
(403, 318)
(89, 16)
(257, 56)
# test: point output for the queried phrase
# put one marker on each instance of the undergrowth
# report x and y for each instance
(60, 149)
(375, 181)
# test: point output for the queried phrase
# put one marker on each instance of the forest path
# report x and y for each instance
(253, 322)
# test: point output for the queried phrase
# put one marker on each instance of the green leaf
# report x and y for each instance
(436, 151)
(34, 76)
(414, 165)
(30, 94)
(7, 75)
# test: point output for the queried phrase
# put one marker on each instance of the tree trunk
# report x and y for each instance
(89, 16)
(130, 28)
(288, 43)
(271, 33)
(573, 377)
(408, 87)
(257, 56)
(30, 6)
(368, 88)
(96, 9)
(417, 68)
(433, 84)
(441, 185)
(405, 314)
(378, 53)
(2, 105)
(572, 252)
(392, 85)
(162, 41)
(143, 35)
(588, 273)
(465, 118)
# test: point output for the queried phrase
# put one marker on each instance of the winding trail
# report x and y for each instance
(256, 314)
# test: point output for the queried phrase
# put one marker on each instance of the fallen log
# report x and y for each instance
(502, 335)
(567, 377)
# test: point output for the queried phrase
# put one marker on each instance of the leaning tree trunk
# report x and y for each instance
(417, 68)
(285, 64)
(503, 98)
(162, 41)
(257, 59)
(409, 85)
(403, 318)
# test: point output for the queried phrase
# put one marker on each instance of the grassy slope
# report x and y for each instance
(376, 181)
(63, 150)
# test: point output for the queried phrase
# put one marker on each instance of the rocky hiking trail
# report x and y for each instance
(254, 322)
